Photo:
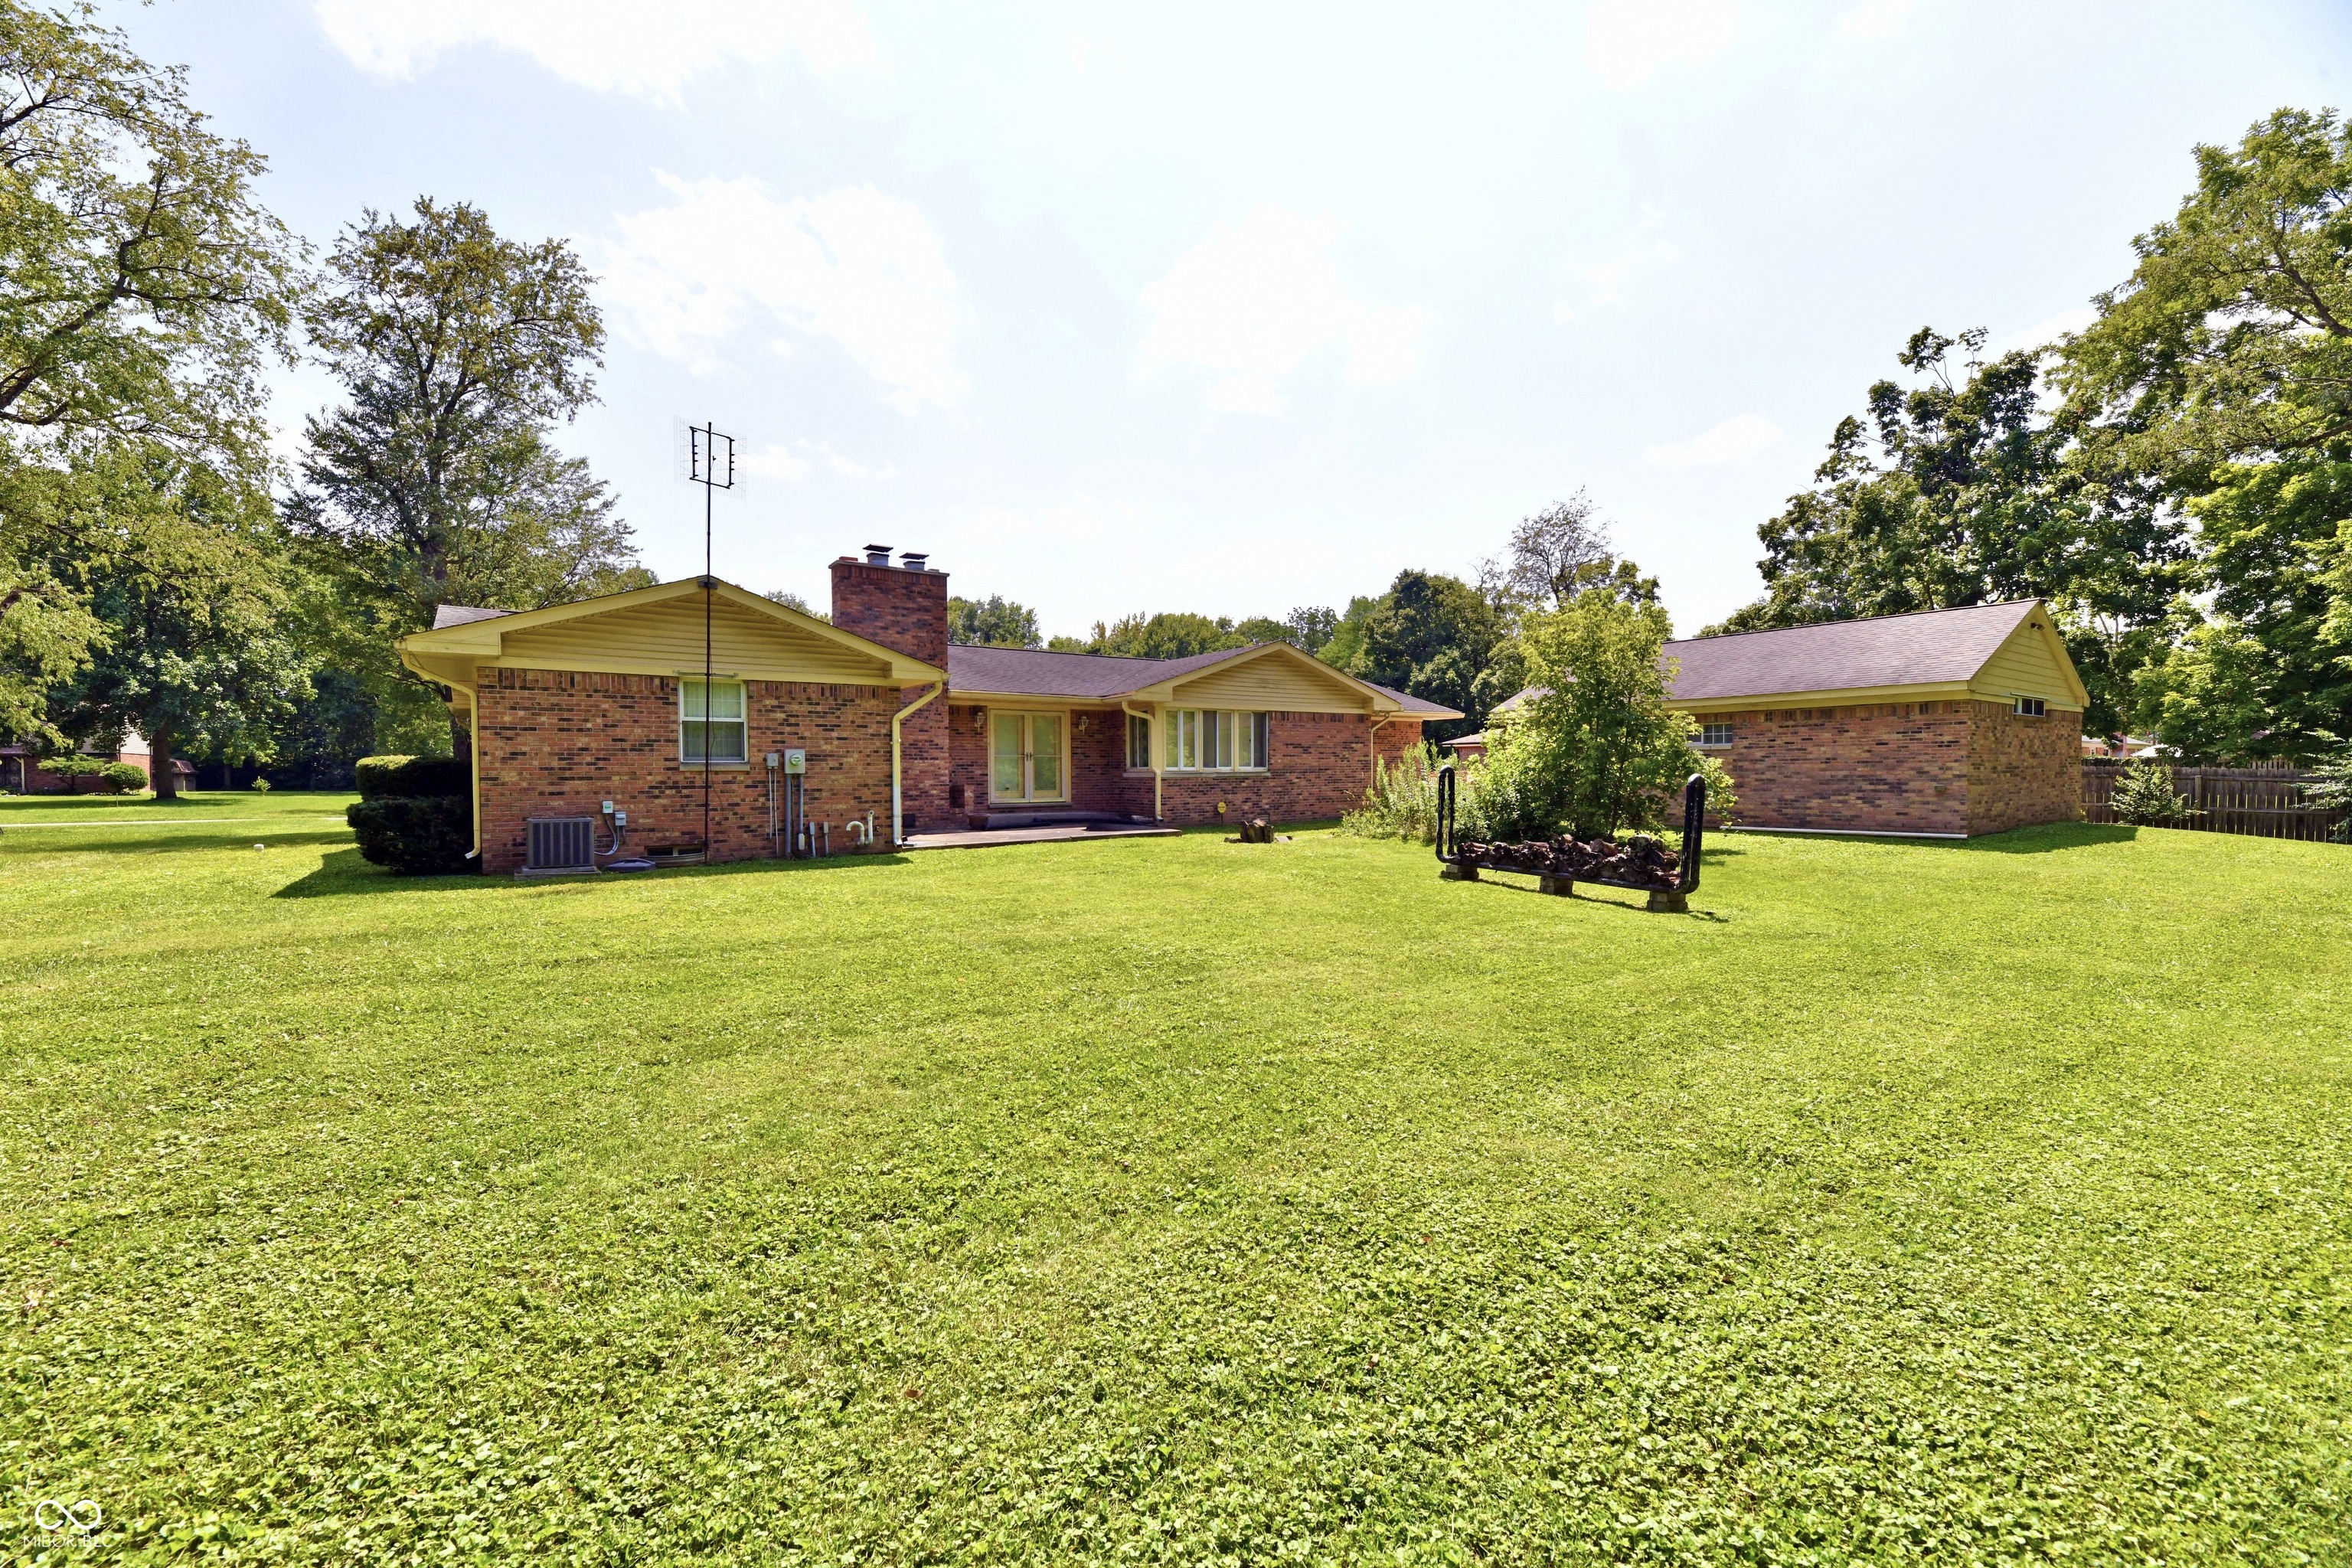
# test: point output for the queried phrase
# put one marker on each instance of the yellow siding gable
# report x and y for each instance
(1270, 683)
(2031, 662)
(666, 637)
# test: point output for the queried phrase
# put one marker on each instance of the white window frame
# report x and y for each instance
(2030, 706)
(1717, 742)
(716, 724)
(1212, 740)
(1138, 743)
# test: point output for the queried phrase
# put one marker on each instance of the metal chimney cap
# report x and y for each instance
(912, 560)
(877, 556)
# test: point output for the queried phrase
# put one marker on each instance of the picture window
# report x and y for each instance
(1206, 740)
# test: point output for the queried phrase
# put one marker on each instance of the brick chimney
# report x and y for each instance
(903, 606)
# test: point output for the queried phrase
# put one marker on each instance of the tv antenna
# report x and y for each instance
(709, 461)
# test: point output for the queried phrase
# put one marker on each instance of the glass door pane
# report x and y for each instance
(1045, 756)
(1005, 731)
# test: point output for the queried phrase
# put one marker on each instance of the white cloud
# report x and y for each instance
(796, 461)
(1608, 277)
(1085, 52)
(1254, 300)
(1626, 40)
(1741, 435)
(2043, 333)
(855, 266)
(1080, 522)
(623, 46)
(1874, 18)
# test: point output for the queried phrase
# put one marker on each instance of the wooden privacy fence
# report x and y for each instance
(2265, 802)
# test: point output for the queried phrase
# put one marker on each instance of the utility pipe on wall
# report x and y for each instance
(1151, 730)
(1372, 743)
(897, 811)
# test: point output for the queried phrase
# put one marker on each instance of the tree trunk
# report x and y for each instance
(461, 735)
(159, 762)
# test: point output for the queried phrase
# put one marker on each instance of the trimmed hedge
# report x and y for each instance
(415, 778)
(417, 835)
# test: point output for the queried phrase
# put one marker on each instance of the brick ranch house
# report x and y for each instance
(1943, 724)
(578, 704)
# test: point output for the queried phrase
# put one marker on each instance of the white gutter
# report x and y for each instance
(897, 812)
(1153, 730)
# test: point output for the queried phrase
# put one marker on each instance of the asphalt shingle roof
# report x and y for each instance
(1927, 648)
(1036, 672)
(463, 615)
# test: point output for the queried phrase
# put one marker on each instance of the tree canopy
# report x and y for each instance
(434, 482)
(993, 622)
(143, 282)
(1594, 749)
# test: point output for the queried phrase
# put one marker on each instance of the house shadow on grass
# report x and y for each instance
(2049, 839)
(345, 874)
(127, 841)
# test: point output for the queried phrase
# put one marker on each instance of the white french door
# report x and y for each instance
(1026, 759)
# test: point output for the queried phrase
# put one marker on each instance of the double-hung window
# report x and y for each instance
(1715, 734)
(1210, 739)
(710, 721)
(1139, 740)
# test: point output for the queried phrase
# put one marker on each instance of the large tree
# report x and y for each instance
(189, 581)
(1963, 488)
(141, 286)
(1432, 636)
(434, 482)
(2222, 368)
(1559, 554)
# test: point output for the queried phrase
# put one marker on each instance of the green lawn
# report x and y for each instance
(1171, 1200)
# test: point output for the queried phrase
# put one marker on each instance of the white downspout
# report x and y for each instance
(1372, 744)
(897, 812)
(1151, 749)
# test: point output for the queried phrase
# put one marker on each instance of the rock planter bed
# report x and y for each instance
(1641, 864)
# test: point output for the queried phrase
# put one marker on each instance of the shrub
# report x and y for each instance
(2145, 798)
(121, 778)
(1403, 800)
(417, 835)
(1596, 750)
(386, 778)
(2331, 787)
(261, 786)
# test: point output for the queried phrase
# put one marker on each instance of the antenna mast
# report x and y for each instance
(711, 463)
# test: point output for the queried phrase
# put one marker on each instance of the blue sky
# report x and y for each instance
(1237, 308)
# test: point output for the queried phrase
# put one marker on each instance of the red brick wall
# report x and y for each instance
(2022, 771)
(559, 743)
(1320, 768)
(1883, 768)
(891, 605)
(1321, 765)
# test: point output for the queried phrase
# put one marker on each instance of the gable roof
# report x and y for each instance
(1106, 677)
(464, 635)
(1930, 648)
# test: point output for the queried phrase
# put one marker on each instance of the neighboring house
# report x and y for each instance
(21, 771)
(602, 701)
(1940, 724)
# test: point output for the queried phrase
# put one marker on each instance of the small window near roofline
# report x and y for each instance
(1715, 734)
(2031, 708)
